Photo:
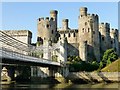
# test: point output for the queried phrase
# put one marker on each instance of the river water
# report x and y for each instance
(64, 86)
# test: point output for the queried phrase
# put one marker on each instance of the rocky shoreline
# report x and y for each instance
(94, 77)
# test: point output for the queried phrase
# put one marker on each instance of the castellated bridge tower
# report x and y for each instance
(104, 29)
(88, 31)
(114, 33)
(47, 28)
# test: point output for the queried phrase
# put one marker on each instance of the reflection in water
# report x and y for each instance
(64, 86)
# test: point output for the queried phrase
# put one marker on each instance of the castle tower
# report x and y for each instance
(47, 28)
(43, 29)
(88, 31)
(104, 29)
(53, 25)
(114, 33)
(65, 24)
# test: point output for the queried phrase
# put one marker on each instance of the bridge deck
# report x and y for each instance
(8, 56)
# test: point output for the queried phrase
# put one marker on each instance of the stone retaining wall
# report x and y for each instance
(95, 76)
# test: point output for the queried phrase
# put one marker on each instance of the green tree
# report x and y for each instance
(109, 56)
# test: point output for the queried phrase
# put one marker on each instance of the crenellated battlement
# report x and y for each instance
(47, 18)
(44, 19)
(41, 19)
(106, 25)
(114, 31)
(92, 16)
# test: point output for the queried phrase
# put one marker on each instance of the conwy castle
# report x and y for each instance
(88, 41)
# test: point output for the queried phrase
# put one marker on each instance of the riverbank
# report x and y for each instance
(61, 86)
(94, 77)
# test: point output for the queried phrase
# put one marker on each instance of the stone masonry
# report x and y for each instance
(88, 41)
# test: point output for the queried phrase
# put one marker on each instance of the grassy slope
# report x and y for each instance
(113, 67)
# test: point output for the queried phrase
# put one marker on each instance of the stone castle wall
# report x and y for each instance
(89, 40)
(24, 36)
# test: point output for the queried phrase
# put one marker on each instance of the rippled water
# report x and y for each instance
(64, 86)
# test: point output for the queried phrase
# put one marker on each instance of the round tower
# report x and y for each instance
(53, 26)
(83, 11)
(114, 34)
(104, 29)
(53, 14)
(65, 24)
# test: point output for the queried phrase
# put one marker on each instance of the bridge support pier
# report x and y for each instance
(7, 73)
(33, 71)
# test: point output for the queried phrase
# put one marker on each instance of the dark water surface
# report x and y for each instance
(63, 86)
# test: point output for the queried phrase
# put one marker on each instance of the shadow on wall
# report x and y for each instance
(90, 53)
(72, 49)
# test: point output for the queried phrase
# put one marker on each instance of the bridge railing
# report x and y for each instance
(21, 57)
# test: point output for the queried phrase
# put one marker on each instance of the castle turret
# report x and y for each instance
(65, 24)
(53, 14)
(88, 31)
(53, 26)
(83, 11)
(104, 29)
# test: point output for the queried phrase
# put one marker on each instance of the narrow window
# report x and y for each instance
(102, 38)
(69, 35)
(52, 31)
(88, 29)
(111, 42)
(73, 34)
(85, 23)
(47, 26)
(83, 30)
(64, 35)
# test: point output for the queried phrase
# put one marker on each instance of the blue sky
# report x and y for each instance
(24, 15)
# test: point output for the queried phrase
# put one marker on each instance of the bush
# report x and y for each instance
(83, 66)
(73, 59)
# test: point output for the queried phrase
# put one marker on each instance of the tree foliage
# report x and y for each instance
(76, 64)
(109, 56)
(73, 59)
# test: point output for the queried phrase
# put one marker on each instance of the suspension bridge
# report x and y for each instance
(16, 53)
